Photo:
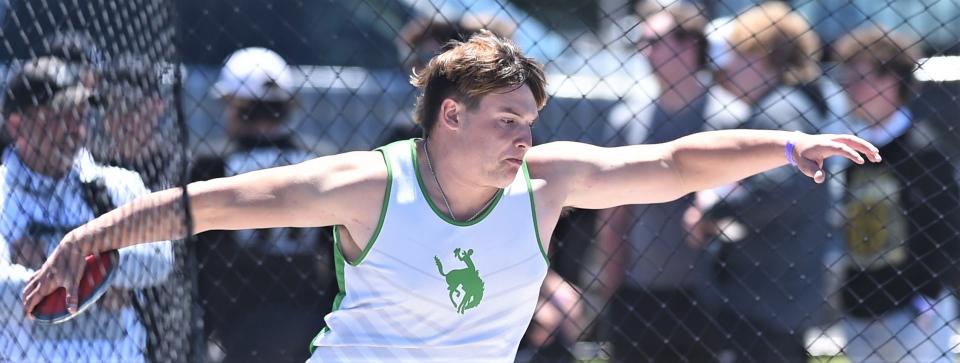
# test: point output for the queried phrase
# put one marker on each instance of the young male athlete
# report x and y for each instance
(438, 241)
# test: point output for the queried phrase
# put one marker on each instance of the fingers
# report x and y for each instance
(848, 152)
(31, 285)
(29, 302)
(72, 287)
(861, 146)
(35, 292)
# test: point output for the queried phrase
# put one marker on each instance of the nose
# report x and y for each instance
(525, 139)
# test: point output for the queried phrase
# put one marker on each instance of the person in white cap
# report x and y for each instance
(289, 268)
(255, 83)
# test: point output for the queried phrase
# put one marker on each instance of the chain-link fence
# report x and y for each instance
(107, 99)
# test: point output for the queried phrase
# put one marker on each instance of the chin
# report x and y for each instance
(507, 177)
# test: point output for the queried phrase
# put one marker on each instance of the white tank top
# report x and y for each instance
(430, 289)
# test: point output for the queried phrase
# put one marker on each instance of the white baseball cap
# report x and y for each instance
(255, 74)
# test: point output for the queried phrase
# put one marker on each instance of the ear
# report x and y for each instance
(450, 111)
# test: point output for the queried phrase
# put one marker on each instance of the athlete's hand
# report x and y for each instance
(812, 150)
(63, 269)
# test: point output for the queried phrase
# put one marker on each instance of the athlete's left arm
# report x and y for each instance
(142, 265)
(597, 177)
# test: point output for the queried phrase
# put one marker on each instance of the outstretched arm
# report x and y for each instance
(310, 194)
(596, 177)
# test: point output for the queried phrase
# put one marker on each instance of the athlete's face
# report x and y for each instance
(496, 134)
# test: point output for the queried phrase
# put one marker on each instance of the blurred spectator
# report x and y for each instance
(77, 49)
(651, 272)
(423, 37)
(290, 270)
(901, 225)
(557, 322)
(473, 22)
(135, 133)
(50, 185)
(418, 41)
(768, 273)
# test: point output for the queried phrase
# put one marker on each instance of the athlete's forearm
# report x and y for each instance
(259, 199)
(157, 216)
(713, 158)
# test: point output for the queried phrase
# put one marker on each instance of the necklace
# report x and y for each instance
(444, 195)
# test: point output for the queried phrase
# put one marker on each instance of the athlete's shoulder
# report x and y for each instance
(355, 169)
(555, 159)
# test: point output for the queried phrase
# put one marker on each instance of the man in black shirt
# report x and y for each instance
(289, 269)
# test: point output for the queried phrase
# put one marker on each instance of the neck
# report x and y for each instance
(462, 191)
(677, 95)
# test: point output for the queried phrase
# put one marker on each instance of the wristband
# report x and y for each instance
(788, 151)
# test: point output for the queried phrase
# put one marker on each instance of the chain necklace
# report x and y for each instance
(444, 195)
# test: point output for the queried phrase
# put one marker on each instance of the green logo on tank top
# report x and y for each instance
(464, 285)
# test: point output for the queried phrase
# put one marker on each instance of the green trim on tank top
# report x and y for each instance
(533, 210)
(384, 150)
(338, 261)
(436, 211)
(338, 258)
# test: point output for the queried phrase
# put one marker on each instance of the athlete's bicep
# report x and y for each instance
(314, 193)
(596, 177)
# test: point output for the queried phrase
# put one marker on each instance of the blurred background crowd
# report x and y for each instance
(106, 100)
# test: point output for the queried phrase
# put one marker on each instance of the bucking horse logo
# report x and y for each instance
(463, 284)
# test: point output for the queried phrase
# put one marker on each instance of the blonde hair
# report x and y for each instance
(484, 64)
(888, 52)
(774, 31)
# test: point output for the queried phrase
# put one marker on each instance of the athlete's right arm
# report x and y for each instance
(320, 192)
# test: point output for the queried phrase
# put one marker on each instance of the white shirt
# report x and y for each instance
(96, 335)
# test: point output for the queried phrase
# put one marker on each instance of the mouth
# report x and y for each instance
(514, 161)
